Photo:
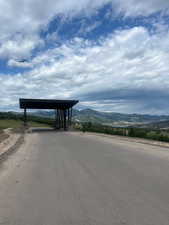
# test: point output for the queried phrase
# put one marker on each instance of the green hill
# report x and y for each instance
(15, 120)
(89, 115)
(109, 118)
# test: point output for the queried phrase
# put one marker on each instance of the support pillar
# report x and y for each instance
(59, 118)
(71, 117)
(62, 113)
(64, 119)
(56, 119)
(25, 118)
(68, 117)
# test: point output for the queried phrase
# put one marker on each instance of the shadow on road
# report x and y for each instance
(47, 129)
(41, 129)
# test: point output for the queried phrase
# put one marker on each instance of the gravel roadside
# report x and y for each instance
(10, 141)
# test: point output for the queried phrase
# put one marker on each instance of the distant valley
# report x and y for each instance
(114, 119)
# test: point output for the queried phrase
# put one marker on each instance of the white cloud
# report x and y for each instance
(127, 71)
(19, 47)
(141, 8)
(22, 20)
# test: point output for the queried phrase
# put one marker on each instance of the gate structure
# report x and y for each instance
(63, 110)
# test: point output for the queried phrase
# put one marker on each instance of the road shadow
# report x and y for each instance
(41, 130)
(44, 129)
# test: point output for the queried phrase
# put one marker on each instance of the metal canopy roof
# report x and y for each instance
(46, 103)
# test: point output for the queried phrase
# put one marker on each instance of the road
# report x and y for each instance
(82, 179)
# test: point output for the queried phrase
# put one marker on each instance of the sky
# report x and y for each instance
(112, 55)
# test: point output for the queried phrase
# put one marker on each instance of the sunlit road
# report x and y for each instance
(80, 179)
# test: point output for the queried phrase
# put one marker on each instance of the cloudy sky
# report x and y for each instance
(112, 55)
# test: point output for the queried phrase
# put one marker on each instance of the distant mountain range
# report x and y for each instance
(111, 118)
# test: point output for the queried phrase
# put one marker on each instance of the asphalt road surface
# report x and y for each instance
(81, 179)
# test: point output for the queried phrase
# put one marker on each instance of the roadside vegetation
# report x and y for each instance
(7, 123)
(3, 136)
(152, 134)
(11, 120)
(15, 121)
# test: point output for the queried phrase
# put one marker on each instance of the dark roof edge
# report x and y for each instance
(46, 103)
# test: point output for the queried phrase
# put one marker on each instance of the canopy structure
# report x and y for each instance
(63, 109)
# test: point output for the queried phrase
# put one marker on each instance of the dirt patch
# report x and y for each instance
(3, 136)
(11, 141)
(12, 149)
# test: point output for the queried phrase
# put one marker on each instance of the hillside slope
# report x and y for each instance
(110, 118)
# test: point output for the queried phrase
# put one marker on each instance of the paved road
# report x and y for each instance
(76, 179)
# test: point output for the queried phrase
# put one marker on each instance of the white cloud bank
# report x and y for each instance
(141, 8)
(127, 72)
(20, 21)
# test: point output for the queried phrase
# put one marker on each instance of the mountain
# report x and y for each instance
(106, 118)
(110, 118)
(44, 113)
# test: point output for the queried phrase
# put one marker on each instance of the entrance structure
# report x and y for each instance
(63, 109)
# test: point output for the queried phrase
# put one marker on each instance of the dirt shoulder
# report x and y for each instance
(3, 136)
(9, 141)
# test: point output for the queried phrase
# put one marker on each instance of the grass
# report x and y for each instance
(9, 123)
